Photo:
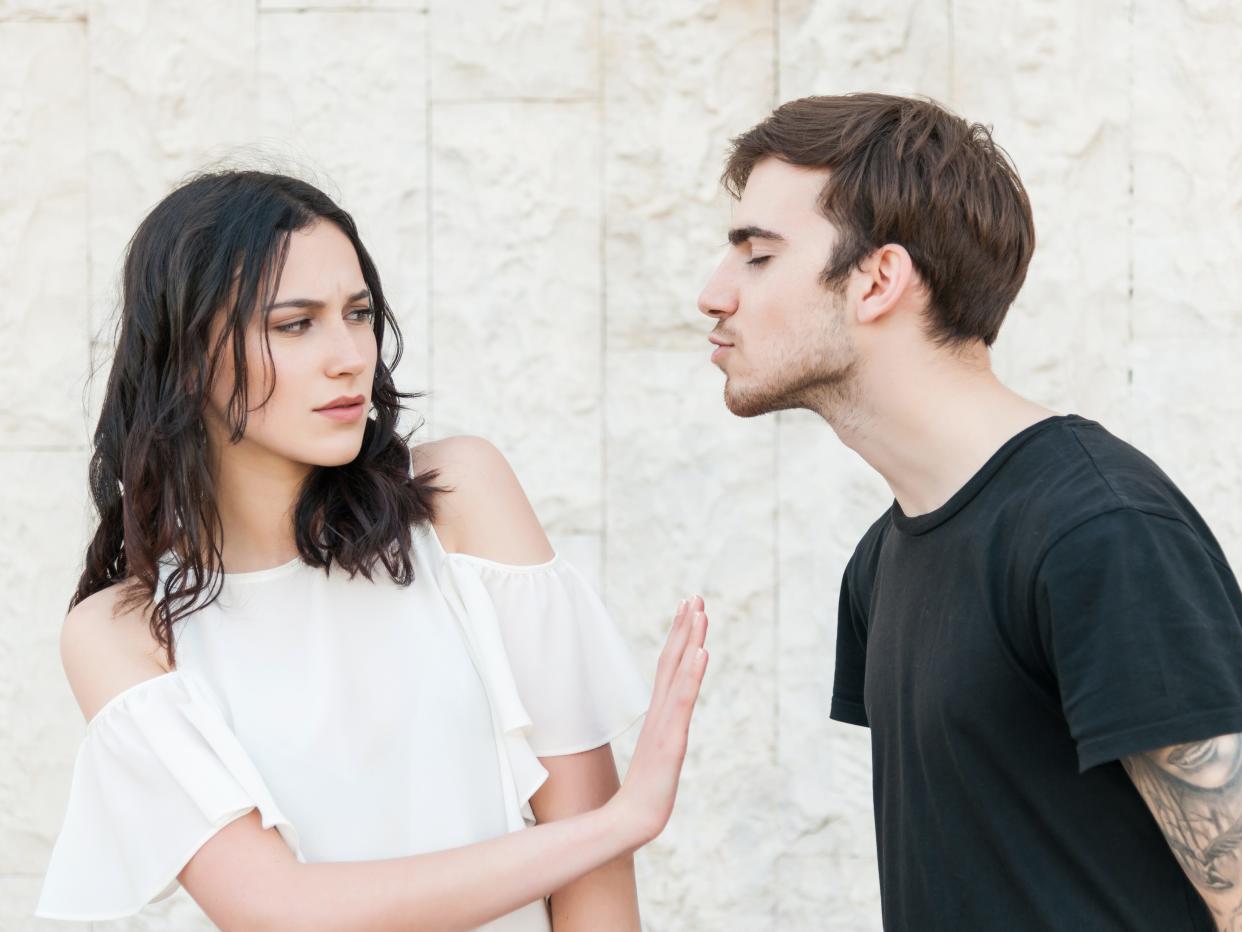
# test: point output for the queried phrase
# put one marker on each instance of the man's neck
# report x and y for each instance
(929, 425)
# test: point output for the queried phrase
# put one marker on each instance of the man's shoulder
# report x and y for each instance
(1062, 473)
(1132, 477)
(1088, 472)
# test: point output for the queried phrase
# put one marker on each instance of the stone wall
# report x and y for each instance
(538, 184)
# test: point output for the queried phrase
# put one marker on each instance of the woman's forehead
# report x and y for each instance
(320, 264)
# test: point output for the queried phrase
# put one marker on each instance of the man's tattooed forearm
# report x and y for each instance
(1195, 792)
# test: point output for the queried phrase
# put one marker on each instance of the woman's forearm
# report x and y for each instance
(245, 877)
(442, 891)
(606, 898)
(244, 884)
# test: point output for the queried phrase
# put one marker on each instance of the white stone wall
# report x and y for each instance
(538, 184)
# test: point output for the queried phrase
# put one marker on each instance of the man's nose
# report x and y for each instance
(719, 296)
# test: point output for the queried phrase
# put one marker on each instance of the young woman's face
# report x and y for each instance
(323, 356)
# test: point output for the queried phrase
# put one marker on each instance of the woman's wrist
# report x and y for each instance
(626, 824)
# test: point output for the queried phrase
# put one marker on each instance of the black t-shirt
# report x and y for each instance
(1066, 608)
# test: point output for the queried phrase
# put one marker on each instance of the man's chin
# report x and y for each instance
(741, 404)
(836, 390)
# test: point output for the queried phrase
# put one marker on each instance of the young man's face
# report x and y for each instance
(783, 338)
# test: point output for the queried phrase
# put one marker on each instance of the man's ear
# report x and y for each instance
(887, 276)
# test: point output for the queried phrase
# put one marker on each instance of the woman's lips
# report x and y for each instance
(342, 412)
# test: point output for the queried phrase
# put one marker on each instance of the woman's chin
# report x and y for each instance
(342, 459)
(328, 454)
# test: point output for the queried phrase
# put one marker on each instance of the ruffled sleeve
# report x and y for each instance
(564, 677)
(158, 773)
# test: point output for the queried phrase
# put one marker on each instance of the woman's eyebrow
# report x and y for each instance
(364, 294)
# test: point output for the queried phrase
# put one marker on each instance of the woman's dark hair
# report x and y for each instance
(907, 171)
(217, 245)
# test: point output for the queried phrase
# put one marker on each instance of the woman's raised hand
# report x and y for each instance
(645, 800)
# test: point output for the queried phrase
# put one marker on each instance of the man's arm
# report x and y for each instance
(1195, 793)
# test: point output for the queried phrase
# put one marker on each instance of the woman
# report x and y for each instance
(330, 683)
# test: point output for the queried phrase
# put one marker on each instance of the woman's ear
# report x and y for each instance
(888, 274)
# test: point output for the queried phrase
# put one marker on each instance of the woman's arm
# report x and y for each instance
(488, 515)
(607, 897)
(246, 878)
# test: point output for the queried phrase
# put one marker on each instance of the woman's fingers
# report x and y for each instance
(676, 706)
(650, 786)
(665, 666)
(674, 646)
(693, 663)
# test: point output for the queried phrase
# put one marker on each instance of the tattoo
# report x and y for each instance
(1195, 792)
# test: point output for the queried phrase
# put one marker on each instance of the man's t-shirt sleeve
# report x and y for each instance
(847, 686)
(1142, 626)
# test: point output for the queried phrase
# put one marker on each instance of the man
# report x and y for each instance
(1042, 622)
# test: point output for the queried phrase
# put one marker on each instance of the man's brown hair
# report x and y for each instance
(906, 171)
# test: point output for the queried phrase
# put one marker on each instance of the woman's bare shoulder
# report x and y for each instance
(485, 511)
(106, 646)
(451, 454)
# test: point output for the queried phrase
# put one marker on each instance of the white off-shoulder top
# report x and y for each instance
(363, 720)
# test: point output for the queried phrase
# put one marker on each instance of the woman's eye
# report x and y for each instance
(758, 260)
(294, 326)
(362, 313)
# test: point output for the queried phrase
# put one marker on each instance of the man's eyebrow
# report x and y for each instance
(362, 295)
(739, 235)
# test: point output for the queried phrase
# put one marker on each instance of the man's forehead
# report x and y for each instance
(778, 196)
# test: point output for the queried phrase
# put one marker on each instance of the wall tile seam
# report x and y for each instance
(777, 654)
(94, 344)
(33, 17)
(952, 62)
(776, 52)
(262, 10)
(601, 91)
(44, 448)
(429, 220)
(1129, 350)
(775, 908)
(467, 101)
